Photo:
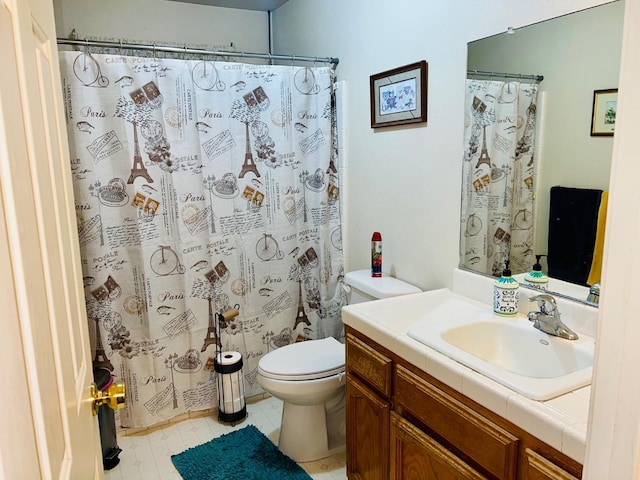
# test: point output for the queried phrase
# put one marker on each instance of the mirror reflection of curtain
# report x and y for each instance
(498, 175)
(201, 188)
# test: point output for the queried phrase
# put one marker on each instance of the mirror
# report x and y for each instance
(576, 54)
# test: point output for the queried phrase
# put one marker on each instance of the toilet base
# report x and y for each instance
(303, 433)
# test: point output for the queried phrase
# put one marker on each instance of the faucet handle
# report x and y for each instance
(546, 303)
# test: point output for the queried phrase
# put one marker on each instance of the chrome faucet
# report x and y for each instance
(547, 318)
(594, 294)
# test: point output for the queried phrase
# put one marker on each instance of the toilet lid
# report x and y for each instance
(304, 360)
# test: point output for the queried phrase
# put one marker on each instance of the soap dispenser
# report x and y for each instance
(505, 293)
(536, 278)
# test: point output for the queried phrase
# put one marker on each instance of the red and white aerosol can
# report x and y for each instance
(376, 255)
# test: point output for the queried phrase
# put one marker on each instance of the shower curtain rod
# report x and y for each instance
(194, 51)
(537, 78)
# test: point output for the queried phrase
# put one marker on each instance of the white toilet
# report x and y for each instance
(309, 377)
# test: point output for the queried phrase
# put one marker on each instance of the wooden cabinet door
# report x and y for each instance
(367, 433)
(487, 445)
(536, 467)
(417, 456)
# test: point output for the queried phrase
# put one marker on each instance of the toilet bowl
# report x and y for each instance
(309, 377)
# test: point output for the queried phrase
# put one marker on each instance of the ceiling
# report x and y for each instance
(263, 5)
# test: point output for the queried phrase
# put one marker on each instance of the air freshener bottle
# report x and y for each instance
(505, 293)
(376, 255)
(536, 278)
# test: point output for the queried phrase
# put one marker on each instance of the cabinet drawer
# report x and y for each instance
(487, 444)
(536, 467)
(369, 364)
(415, 455)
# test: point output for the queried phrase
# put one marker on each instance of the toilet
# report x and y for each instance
(309, 377)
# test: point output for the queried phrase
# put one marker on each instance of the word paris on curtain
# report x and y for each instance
(498, 176)
(201, 187)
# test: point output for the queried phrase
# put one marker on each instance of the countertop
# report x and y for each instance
(560, 422)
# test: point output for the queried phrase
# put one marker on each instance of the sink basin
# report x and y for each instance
(508, 350)
(519, 348)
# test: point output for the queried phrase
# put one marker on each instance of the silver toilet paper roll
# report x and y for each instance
(230, 382)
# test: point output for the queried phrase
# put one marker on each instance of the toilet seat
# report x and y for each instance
(308, 360)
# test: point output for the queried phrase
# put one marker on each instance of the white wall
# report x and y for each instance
(577, 54)
(162, 21)
(404, 181)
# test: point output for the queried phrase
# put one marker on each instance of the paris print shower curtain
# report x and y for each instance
(202, 188)
(498, 176)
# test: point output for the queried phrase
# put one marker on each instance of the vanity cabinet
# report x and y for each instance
(403, 424)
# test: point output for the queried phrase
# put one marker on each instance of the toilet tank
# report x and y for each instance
(362, 287)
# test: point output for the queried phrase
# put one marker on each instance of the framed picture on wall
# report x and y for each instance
(399, 96)
(603, 115)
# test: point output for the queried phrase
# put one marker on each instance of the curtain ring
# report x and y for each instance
(293, 59)
(315, 62)
(120, 46)
(154, 51)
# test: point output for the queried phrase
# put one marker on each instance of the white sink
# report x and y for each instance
(508, 350)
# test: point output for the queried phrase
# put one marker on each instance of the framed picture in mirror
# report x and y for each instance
(603, 115)
(399, 96)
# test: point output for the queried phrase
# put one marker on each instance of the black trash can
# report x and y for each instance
(107, 422)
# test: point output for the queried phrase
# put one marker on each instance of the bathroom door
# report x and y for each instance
(48, 430)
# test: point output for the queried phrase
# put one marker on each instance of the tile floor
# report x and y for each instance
(146, 454)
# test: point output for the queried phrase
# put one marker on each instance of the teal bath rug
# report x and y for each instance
(244, 454)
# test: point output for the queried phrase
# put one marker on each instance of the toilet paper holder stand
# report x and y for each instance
(228, 373)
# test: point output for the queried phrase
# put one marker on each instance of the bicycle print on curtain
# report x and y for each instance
(201, 187)
(498, 176)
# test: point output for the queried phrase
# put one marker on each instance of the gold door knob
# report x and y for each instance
(114, 396)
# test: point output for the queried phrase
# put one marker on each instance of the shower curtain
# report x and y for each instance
(498, 176)
(207, 200)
